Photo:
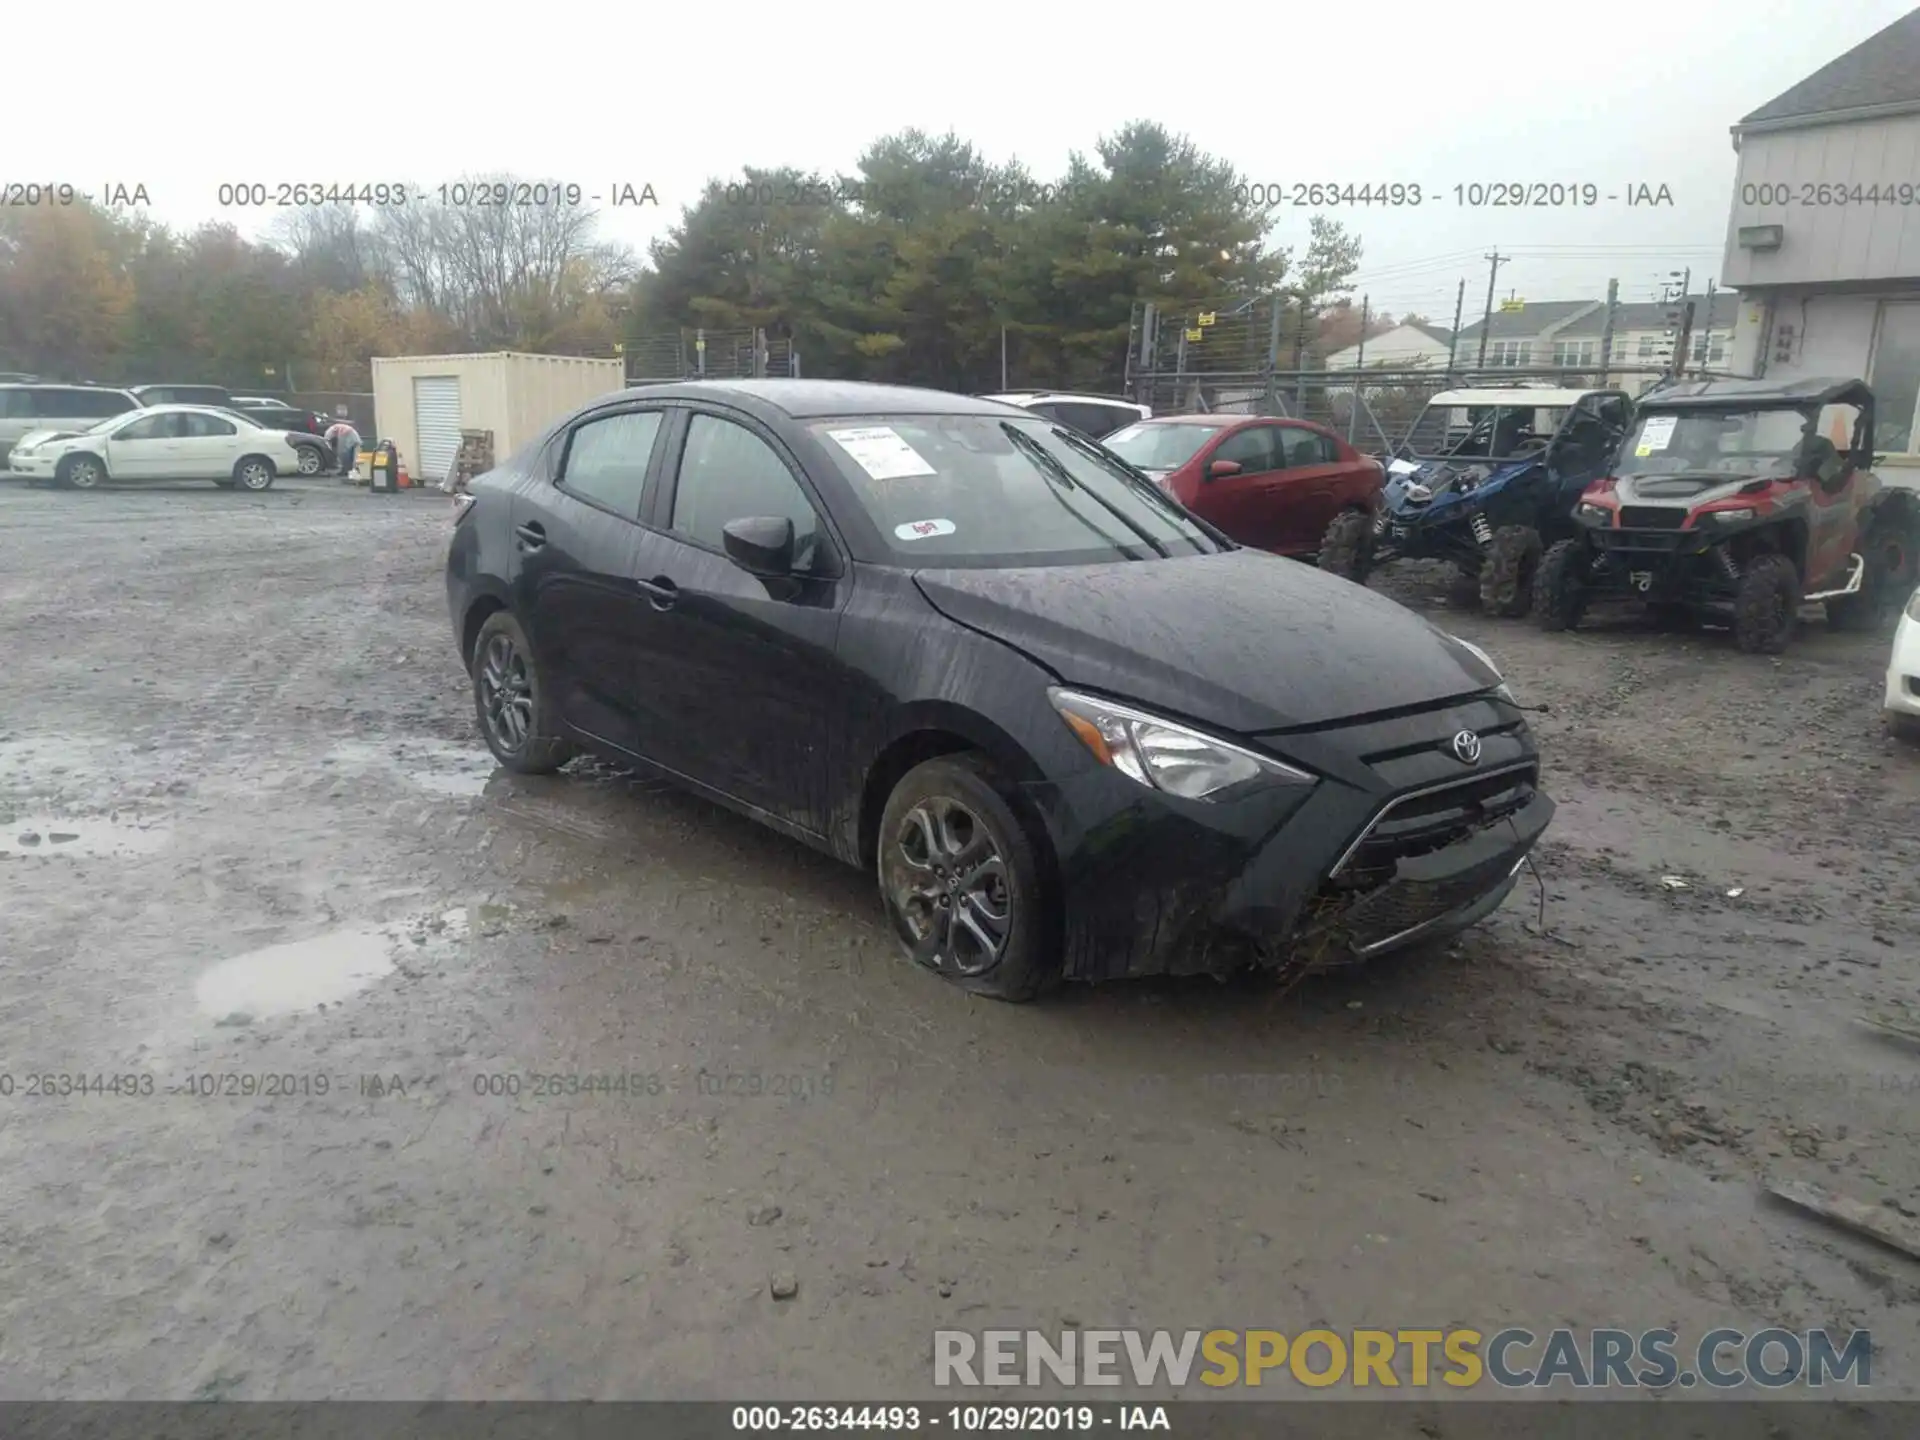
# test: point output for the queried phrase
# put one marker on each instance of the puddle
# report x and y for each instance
(439, 767)
(282, 979)
(56, 835)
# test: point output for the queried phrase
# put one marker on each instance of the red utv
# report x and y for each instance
(1288, 486)
(1741, 501)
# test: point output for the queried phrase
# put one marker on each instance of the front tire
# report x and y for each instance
(962, 881)
(1346, 549)
(1507, 576)
(1560, 586)
(1905, 728)
(80, 472)
(254, 473)
(511, 700)
(1766, 605)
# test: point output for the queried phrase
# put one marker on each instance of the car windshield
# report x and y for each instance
(979, 491)
(1159, 446)
(1715, 442)
(1484, 431)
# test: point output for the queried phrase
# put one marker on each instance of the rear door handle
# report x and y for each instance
(661, 591)
(530, 535)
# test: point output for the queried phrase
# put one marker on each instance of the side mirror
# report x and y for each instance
(1221, 469)
(760, 545)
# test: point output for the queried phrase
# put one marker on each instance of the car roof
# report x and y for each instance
(1040, 397)
(1210, 418)
(819, 399)
(62, 385)
(1808, 390)
(1517, 397)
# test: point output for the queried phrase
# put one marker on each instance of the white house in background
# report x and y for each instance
(1824, 240)
(1404, 346)
(1642, 338)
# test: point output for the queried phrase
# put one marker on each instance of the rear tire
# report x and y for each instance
(962, 882)
(1890, 553)
(511, 700)
(1766, 605)
(1560, 586)
(1346, 549)
(1507, 575)
(1905, 728)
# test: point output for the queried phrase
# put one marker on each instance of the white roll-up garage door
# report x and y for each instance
(436, 423)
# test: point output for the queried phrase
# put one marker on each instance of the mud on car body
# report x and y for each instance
(1073, 731)
(1740, 501)
(1487, 478)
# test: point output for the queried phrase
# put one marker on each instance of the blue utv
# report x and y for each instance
(1488, 478)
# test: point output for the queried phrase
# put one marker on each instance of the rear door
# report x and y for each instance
(578, 545)
(742, 683)
(1306, 490)
(209, 448)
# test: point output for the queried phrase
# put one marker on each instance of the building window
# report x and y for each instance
(1709, 349)
(1646, 347)
(1570, 353)
(1895, 377)
(1511, 353)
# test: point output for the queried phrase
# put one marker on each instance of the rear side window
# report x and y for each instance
(1307, 447)
(15, 405)
(1094, 419)
(204, 426)
(606, 460)
(102, 404)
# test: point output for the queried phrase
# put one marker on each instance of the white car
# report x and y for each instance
(1097, 416)
(1903, 675)
(160, 442)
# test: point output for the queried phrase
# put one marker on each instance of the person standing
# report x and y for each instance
(346, 448)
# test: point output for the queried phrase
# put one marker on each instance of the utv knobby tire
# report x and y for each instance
(1766, 605)
(542, 751)
(1508, 571)
(1028, 964)
(1346, 549)
(1560, 585)
(1889, 551)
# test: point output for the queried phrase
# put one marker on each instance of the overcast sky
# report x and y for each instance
(601, 94)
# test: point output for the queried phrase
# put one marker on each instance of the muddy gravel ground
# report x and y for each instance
(365, 998)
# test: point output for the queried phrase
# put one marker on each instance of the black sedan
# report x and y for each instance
(1075, 732)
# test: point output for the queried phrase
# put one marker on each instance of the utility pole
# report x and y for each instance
(1453, 341)
(1003, 357)
(1676, 331)
(1606, 331)
(1494, 262)
(1706, 341)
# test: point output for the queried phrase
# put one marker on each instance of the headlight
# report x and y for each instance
(1596, 514)
(1500, 689)
(1165, 756)
(1731, 516)
(1913, 606)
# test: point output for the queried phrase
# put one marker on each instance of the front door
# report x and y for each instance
(145, 449)
(741, 684)
(577, 544)
(1238, 504)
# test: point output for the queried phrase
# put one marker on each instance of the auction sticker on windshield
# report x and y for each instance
(1658, 431)
(879, 450)
(923, 529)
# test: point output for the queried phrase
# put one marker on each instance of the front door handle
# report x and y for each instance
(531, 535)
(660, 591)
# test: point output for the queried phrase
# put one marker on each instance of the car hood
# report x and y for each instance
(41, 437)
(1243, 641)
(1449, 479)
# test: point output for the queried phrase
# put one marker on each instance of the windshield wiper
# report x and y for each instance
(1059, 475)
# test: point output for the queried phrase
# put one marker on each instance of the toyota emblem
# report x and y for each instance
(1466, 748)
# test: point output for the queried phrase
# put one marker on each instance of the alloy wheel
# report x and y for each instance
(506, 693)
(255, 475)
(83, 475)
(950, 884)
(309, 463)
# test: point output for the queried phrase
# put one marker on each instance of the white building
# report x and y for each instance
(1824, 240)
(1403, 347)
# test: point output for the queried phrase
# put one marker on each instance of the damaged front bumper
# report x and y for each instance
(1344, 873)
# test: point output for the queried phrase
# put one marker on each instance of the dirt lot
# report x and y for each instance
(250, 831)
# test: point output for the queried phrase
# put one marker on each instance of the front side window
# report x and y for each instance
(151, 427)
(1251, 449)
(606, 460)
(982, 492)
(1896, 378)
(728, 473)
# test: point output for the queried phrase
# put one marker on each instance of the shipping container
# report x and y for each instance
(423, 402)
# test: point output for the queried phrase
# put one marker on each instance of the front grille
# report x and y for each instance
(1639, 540)
(1431, 820)
(1652, 517)
(1405, 905)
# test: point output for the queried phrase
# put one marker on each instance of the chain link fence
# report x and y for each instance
(700, 354)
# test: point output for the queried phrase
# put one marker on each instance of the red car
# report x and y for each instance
(1288, 486)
